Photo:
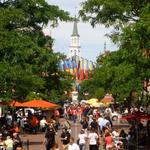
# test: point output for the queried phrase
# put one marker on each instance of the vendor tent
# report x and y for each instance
(108, 99)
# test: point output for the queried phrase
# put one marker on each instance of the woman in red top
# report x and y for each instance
(34, 123)
(108, 141)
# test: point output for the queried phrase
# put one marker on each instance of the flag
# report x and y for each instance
(66, 65)
(86, 68)
(81, 70)
(74, 65)
(70, 66)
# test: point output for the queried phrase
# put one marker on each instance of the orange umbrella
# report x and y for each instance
(39, 104)
(15, 103)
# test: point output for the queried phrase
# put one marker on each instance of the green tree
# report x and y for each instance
(122, 72)
(117, 12)
(27, 61)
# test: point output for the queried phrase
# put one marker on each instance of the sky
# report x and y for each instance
(91, 39)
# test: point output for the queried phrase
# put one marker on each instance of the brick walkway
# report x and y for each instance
(36, 140)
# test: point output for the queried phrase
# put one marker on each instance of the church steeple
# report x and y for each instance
(74, 49)
(75, 28)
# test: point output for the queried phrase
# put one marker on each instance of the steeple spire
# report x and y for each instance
(74, 49)
(75, 28)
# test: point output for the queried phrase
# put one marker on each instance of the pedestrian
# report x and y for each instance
(34, 123)
(74, 115)
(84, 124)
(56, 113)
(9, 119)
(43, 124)
(94, 124)
(93, 138)
(22, 124)
(67, 125)
(8, 143)
(108, 141)
(65, 137)
(50, 138)
(72, 145)
(82, 140)
(17, 141)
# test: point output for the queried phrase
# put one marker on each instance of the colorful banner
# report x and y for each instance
(77, 66)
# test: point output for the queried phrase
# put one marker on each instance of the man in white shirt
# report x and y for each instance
(100, 123)
(43, 124)
(82, 140)
(72, 145)
(93, 137)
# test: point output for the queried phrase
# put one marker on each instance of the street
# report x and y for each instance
(36, 141)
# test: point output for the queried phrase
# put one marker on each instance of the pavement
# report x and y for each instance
(36, 141)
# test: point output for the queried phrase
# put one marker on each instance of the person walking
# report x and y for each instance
(93, 137)
(17, 141)
(43, 124)
(72, 145)
(8, 143)
(108, 140)
(65, 137)
(82, 140)
(50, 138)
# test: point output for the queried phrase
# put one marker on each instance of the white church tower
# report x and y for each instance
(74, 49)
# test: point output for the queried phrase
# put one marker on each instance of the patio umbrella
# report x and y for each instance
(136, 116)
(92, 100)
(39, 104)
(12, 103)
(97, 104)
(15, 103)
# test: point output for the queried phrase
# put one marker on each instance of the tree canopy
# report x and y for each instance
(27, 62)
(122, 72)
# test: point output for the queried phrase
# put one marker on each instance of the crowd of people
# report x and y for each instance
(96, 129)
